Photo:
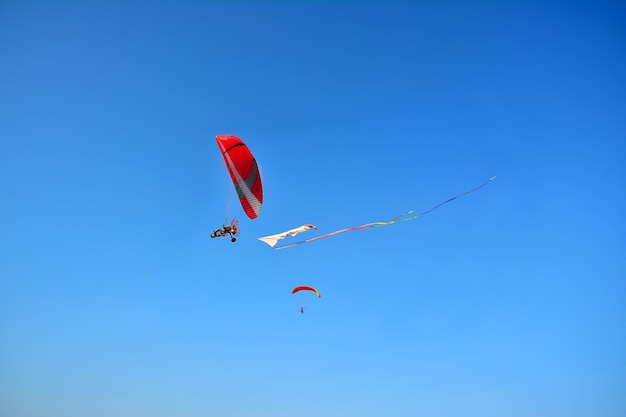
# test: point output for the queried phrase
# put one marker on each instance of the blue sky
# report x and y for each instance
(114, 301)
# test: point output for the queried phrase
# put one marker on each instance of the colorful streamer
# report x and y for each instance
(405, 217)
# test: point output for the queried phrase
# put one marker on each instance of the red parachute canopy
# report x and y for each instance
(244, 172)
(306, 288)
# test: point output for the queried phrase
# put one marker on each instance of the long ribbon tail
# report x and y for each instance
(405, 217)
(459, 196)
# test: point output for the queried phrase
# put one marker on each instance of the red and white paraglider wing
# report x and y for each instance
(244, 173)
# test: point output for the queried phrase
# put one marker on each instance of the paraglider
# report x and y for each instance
(246, 178)
(305, 288)
(405, 217)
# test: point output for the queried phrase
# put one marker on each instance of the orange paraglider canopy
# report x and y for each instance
(306, 288)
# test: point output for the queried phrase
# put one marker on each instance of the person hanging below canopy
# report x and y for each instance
(231, 230)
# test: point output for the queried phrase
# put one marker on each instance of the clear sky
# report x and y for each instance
(115, 301)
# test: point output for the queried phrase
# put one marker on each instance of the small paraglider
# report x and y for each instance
(305, 288)
(246, 178)
(231, 230)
